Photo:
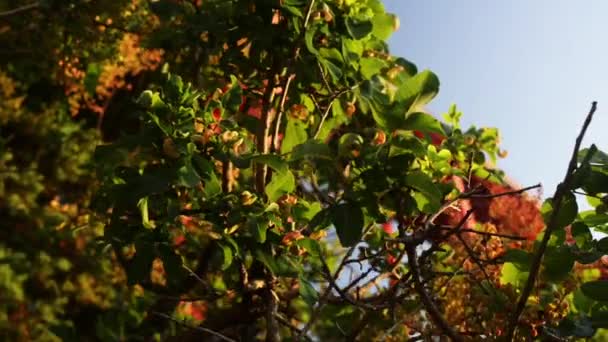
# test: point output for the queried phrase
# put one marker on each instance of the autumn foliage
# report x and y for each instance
(266, 170)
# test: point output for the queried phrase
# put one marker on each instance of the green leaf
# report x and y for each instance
(309, 40)
(258, 230)
(330, 67)
(592, 219)
(212, 185)
(423, 122)
(232, 99)
(602, 245)
(143, 209)
(272, 160)
(312, 149)
(310, 245)
(419, 90)
(283, 266)
(567, 212)
(582, 327)
(187, 175)
(226, 256)
(581, 234)
(91, 78)
(282, 183)
(593, 155)
(174, 88)
(321, 220)
(424, 184)
(558, 263)
(581, 302)
(371, 66)
(332, 55)
(511, 274)
(383, 25)
(308, 292)
(352, 51)
(597, 290)
(304, 210)
(348, 220)
(295, 134)
(519, 258)
(595, 182)
(358, 29)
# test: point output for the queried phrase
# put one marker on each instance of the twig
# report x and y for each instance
(507, 193)
(263, 145)
(586, 194)
(323, 118)
(309, 12)
(20, 9)
(277, 126)
(429, 305)
(323, 77)
(315, 315)
(473, 193)
(332, 99)
(288, 324)
(560, 192)
(208, 331)
(477, 261)
(192, 273)
(469, 230)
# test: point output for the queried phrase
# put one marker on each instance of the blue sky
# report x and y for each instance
(529, 68)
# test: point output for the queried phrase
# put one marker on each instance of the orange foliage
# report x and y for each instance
(132, 61)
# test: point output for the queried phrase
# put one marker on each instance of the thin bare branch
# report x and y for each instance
(277, 126)
(321, 302)
(289, 325)
(562, 189)
(205, 330)
(479, 232)
(323, 118)
(507, 193)
(19, 9)
(429, 304)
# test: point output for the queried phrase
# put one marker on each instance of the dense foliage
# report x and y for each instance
(262, 169)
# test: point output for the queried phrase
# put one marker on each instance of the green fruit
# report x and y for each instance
(349, 143)
(146, 99)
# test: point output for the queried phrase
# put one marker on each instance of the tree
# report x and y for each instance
(278, 178)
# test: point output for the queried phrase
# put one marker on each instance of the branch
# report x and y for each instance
(560, 192)
(289, 325)
(477, 261)
(429, 305)
(471, 194)
(469, 230)
(272, 308)
(507, 193)
(263, 146)
(323, 118)
(205, 330)
(281, 111)
(315, 315)
(19, 9)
